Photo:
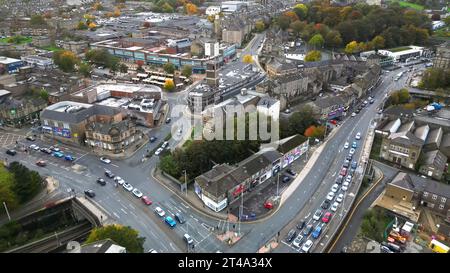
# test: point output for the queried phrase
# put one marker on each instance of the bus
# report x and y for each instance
(438, 247)
(399, 75)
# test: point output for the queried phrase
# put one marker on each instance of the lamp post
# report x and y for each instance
(185, 182)
(7, 212)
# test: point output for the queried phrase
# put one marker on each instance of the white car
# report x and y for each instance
(34, 147)
(160, 212)
(353, 114)
(340, 198)
(346, 145)
(348, 179)
(105, 160)
(335, 188)
(358, 135)
(352, 151)
(330, 195)
(137, 193)
(307, 246)
(158, 151)
(345, 186)
(334, 207)
(298, 241)
(317, 215)
(127, 186)
(119, 180)
(165, 144)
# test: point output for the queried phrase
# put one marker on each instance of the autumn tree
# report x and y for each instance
(65, 60)
(82, 26)
(377, 42)
(316, 41)
(333, 39)
(92, 26)
(97, 6)
(191, 8)
(313, 56)
(248, 59)
(260, 26)
(169, 85)
(146, 24)
(315, 131)
(122, 235)
(116, 12)
(283, 22)
(297, 26)
(352, 47)
(292, 15)
(301, 11)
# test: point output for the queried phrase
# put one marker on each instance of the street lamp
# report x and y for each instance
(7, 212)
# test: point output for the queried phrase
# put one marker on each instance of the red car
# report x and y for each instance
(146, 200)
(343, 172)
(326, 218)
(268, 205)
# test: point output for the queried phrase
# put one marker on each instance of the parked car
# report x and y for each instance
(30, 138)
(291, 172)
(354, 165)
(326, 218)
(109, 174)
(346, 164)
(353, 114)
(352, 151)
(340, 197)
(325, 204)
(291, 235)
(330, 196)
(339, 180)
(334, 207)
(11, 152)
(58, 154)
(343, 172)
(285, 179)
(301, 224)
(168, 120)
(298, 241)
(101, 181)
(137, 193)
(46, 150)
(358, 135)
(307, 230)
(55, 149)
(153, 139)
(127, 186)
(105, 160)
(335, 188)
(180, 218)
(169, 220)
(188, 239)
(346, 145)
(159, 211)
(354, 145)
(152, 251)
(307, 246)
(146, 200)
(158, 151)
(317, 231)
(69, 158)
(165, 143)
(345, 186)
(119, 180)
(41, 163)
(317, 214)
(349, 157)
(89, 193)
(34, 147)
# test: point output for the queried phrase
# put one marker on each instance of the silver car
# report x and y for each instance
(298, 241)
(317, 215)
(127, 186)
(137, 193)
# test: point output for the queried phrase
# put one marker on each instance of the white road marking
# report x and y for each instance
(124, 211)
(115, 214)
(114, 165)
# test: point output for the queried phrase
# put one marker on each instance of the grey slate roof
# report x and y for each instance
(83, 114)
(435, 158)
(420, 184)
(406, 138)
(435, 136)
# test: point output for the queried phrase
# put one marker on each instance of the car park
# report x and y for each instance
(296, 243)
(307, 246)
(127, 186)
(308, 230)
(109, 174)
(354, 145)
(340, 197)
(101, 181)
(137, 193)
(317, 214)
(326, 218)
(11, 152)
(41, 163)
(291, 172)
(352, 151)
(105, 160)
(346, 145)
(89, 193)
(119, 180)
(180, 218)
(330, 196)
(291, 235)
(335, 188)
(159, 211)
(146, 200)
(334, 207)
(325, 204)
(301, 225)
(169, 220)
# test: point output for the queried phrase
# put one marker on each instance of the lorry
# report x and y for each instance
(438, 247)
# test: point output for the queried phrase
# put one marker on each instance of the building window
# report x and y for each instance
(66, 126)
(45, 122)
(443, 199)
(434, 197)
(425, 194)
(441, 206)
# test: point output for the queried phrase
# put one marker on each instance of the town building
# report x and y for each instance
(269, 107)
(38, 61)
(41, 41)
(10, 65)
(103, 246)
(212, 10)
(77, 47)
(442, 58)
(401, 54)
(18, 112)
(434, 165)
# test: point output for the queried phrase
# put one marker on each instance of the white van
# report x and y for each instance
(188, 239)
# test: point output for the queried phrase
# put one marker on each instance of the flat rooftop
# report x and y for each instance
(62, 106)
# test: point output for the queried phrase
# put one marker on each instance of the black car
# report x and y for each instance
(349, 157)
(339, 180)
(90, 193)
(285, 179)
(30, 138)
(325, 204)
(291, 172)
(11, 152)
(153, 139)
(101, 181)
(180, 218)
(308, 230)
(357, 111)
(168, 120)
(291, 235)
(301, 225)
(109, 174)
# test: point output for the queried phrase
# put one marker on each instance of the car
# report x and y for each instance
(343, 171)
(69, 158)
(357, 111)
(348, 179)
(291, 235)
(146, 200)
(349, 157)
(285, 179)
(159, 151)
(179, 132)
(354, 145)
(330, 196)
(188, 239)
(365, 102)
(308, 230)
(354, 164)
(385, 249)
(339, 180)
(89, 193)
(159, 211)
(46, 150)
(127, 186)
(168, 120)
(340, 197)
(345, 186)
(291, 172)
(55, 149)
(371, 101)
(307, 246)
(352, 151)
(317, 214)
(58, 154)
(165, 144)
(346, 164)
(353, 114)
(153, 139)
(30, 138)
(11, 152)
(105, 160)
(41, 163)
(334, 207)
(326, 218)
(298, 241)
(101, 181)
(119, 180)
(346, 145)
(380, 111)
(301, 225)
(317, 231)
(335, 188)
(325, 204)
(109, 174)
(152, 251)
(169, 220)
(137, 193)
(33, 147)
(180, 218)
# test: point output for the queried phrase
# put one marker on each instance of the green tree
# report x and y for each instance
(434, 78)
(186, 71)
(313, 56)
(102, 56)
(283, 21)
(65, 60)
(85, 69)
(298, 122)
(260, 26)
(297, 26)
(123, 68)
(301, 10)
(27, 183)
(378, 42)
(167, 8)
(6, 184)
(123, 235)
(169, 166)
(316, 41)
(37, 20)
(169, 68)
(43, 93)
(333, 39)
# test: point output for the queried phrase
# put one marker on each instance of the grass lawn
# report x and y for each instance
(52, 48)
(411, 5)
(22, 40)
(442, 33)
(398, 49)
